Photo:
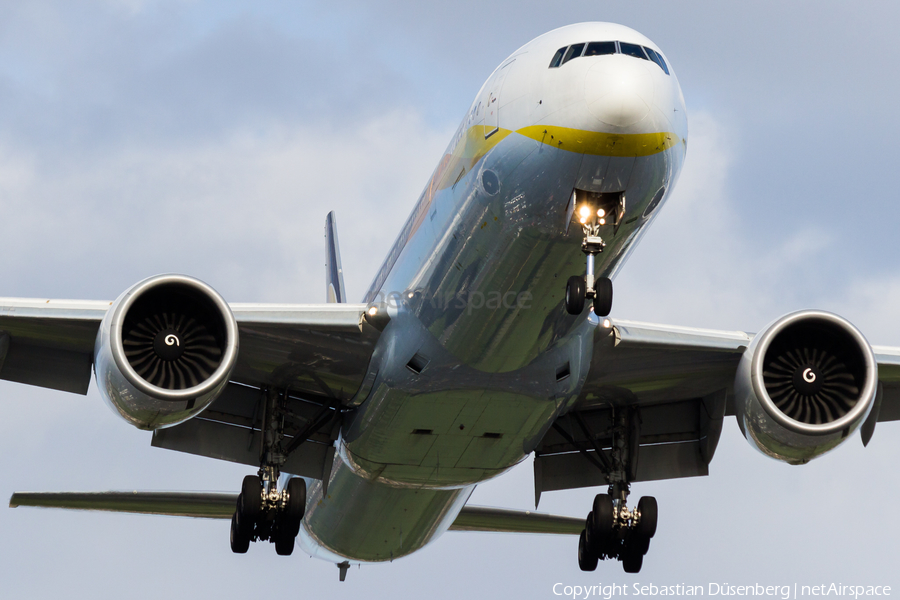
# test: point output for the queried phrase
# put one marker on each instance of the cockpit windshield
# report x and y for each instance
(567, 53)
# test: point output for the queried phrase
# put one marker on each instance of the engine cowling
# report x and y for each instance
(804, 385)
(165, 350)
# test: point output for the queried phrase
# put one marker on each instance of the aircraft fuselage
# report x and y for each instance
(480, 356)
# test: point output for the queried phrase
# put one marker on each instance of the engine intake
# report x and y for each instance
(804, 385)
(165, 350)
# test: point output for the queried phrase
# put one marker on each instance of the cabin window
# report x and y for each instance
(632, 50)
(557, 58)
(573, 52)
(598, 48)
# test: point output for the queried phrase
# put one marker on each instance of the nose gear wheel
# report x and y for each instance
(597, 289)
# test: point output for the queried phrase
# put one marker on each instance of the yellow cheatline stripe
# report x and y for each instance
(599, 143)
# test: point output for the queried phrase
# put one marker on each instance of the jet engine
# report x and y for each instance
(804, 385)
(165, 350)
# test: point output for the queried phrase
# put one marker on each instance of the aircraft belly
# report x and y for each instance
(364, 520)
(449, 424)
(448, 439)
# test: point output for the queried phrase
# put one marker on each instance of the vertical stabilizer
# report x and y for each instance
(334, 275)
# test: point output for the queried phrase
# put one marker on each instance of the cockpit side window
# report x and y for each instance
(657, 58)
(573, 52)
(557, 58)
(632, 50)
(598, 48)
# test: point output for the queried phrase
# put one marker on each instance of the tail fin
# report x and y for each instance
(334, 275)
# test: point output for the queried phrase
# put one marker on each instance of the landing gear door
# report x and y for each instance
(492, 101)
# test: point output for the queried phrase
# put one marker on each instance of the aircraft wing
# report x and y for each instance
(680, 380)
(319, 352)
(317, 349)
(220, 505)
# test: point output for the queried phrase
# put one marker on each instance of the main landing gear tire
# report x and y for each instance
(575, 295)
(603, 296)
(296, 505)
(633, 559)
(243, 521)
(250, 500)
(587, 560)
(289, 519)
(649, 516)
(600, 524)
(284, 543)
(240, 539)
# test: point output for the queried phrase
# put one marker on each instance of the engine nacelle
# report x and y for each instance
(804, 385)
(165, 350)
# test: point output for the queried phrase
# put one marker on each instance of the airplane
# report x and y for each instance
(485, 337)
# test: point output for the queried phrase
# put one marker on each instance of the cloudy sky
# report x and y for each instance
(211, 138)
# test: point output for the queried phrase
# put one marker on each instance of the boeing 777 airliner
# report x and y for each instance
(485, 337)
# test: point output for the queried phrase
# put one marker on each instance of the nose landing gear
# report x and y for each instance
(597, 289)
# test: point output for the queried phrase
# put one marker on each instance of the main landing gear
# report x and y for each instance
(612, 530)
(263, 512)
(578, 288)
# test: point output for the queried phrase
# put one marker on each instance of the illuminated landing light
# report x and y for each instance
(607, 323)
(373, 310)
(583, 220)
(601, 213)
(603, 221)
(410, 295)
(584, 211)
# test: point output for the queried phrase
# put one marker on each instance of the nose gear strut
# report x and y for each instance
(597, 289)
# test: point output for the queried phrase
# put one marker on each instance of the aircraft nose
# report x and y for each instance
(619, 90)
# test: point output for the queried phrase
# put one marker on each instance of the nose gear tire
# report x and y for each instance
(603, 296)
(575, 295)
